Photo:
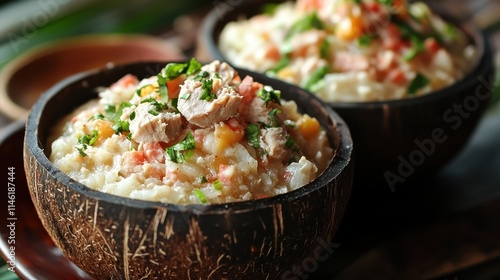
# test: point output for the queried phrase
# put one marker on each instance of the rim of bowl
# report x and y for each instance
(15, 111)
(483, 57)
(340, 162)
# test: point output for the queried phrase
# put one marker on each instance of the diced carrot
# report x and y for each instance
(349, 28)
(174, 87)
(225, 136)
(273, 53)
(308, 127)
(126, 81)
(104, 130)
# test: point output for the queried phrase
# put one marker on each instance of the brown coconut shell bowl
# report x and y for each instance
(398, 140)
(112, 237)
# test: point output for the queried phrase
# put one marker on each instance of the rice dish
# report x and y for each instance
(351, 51)
(193, 134)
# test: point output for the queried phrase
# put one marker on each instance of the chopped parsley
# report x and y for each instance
(252, 135)
(162, 83)
(201, 76)
(179, 151)
(87, 140)
(308, 22)
(217, 185)
(268, 94)
(200, 195)
(203, 179)
(132, 116)
(121, 126)
(315, 78)
(207, 95)
(417, 46)
(417, 83)
(282, 63)
(159, 106)
(273, 121)
(153, 112)
(174, 70)
(365, 40)
(289, 142)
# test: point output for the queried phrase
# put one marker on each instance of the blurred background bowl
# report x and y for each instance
(397, 140)
(26, 77)
(259, 239)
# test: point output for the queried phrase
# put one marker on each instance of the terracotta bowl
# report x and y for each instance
(112, 237)
(26, 77)
(395, 140)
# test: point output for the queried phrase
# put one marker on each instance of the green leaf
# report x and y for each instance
(193, 67)
(315, 77)
(200, 195)
(308, 22)
(207, 90)
(268, 94)
(417, 46)
(365, 40)
(89, 139)
(282, 63)
(162, 83)
(217, 185)
(177, 153)
(121, 126)
(252, 135)
(417, 83)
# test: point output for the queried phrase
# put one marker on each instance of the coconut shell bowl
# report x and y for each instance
(112, 237)
(397, 140)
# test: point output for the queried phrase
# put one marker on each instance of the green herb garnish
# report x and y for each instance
(417, 83)
(179, 151)
(200, 195)
(217, 185)
(252, 135)
(203, 179)
(207, 90)
(308, 22)
(162, 83)
(121, 126)
(315, 77)
(174, 70)
(273, 121)
(289, 142)
(268, 94)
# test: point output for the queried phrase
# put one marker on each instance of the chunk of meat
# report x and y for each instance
(256, 111)
(204, 113)
(151, 126)
(273, 141)
(225, 72)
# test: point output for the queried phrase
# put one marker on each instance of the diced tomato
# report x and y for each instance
(134, 158)
(397, 76)
(225, 174)
(126, 81)
(373, 7)
(154, 152)
(309, 5)
(432, 46)
(248, 89)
